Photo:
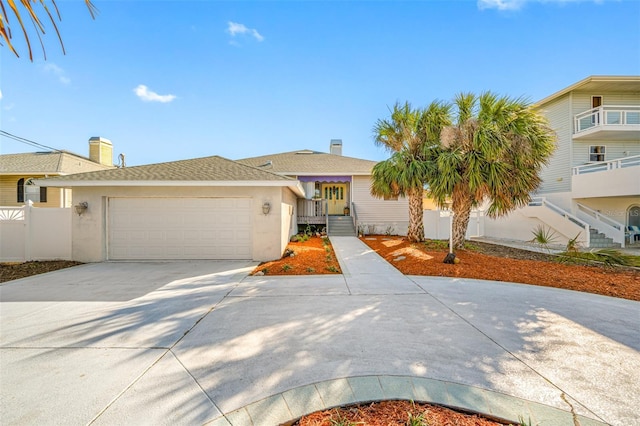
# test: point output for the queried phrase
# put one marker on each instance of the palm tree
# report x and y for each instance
(408, 135)
(493, 153)
(26, 8)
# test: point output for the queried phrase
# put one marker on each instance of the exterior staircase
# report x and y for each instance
(341, 226)
(598, 240)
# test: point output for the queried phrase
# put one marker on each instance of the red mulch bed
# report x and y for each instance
(12, 271)
(391, 413)
(312, 257)
(530, 268)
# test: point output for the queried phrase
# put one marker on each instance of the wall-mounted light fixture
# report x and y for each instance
(266, 208)
(81, 207)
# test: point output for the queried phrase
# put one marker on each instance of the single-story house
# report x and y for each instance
(215, 208)
(336, 185)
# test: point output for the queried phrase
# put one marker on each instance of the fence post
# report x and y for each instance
(27, 230)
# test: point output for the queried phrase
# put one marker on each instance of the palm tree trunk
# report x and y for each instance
(462, 212)
(415, 234)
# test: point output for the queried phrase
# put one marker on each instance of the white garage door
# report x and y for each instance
(179, 228)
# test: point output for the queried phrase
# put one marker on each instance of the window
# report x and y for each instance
(26, 190)
(21, 190)
(597, 153)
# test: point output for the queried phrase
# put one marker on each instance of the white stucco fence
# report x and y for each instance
(30, 233)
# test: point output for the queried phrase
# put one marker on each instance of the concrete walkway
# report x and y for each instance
(203, 343)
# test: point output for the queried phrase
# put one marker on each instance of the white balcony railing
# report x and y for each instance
(603, 166)
(607, 116)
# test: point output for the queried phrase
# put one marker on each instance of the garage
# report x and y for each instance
(179, 228)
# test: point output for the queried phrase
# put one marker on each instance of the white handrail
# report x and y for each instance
(543, 202)
(599, 216)
(608, 226)
(325, 205)
(610, 115)
(354, 216)
(601, 166)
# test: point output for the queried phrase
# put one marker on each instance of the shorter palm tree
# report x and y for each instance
(408, 135)
(493, 153)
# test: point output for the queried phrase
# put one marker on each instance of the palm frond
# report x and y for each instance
(27, 8)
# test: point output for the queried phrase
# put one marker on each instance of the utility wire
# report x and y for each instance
(27, 141)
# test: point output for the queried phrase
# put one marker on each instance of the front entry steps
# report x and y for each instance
(598, 240)
(341, 226)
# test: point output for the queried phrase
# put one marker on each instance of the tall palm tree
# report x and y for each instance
(27, 8)
(492, 153)
(408, 135)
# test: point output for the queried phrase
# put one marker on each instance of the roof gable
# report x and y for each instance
(206, 169)
(599, 83)
(308, 162)
(52, 162)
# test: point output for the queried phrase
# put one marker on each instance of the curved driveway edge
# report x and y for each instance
(287, 406)
(185, 342)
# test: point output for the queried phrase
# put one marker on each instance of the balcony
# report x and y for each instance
(613, 178)
(608, 122)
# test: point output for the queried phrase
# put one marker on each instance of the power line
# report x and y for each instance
(27, 141)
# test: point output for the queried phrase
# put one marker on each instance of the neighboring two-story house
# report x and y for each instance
(591, 186)
(19, 171)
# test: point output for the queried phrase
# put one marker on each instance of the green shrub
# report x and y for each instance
(436, 244)
(608, 257)
(543, 237)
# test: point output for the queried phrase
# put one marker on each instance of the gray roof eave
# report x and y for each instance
(294, 185)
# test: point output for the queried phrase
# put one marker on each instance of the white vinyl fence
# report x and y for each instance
(31, 233)
(436, 224)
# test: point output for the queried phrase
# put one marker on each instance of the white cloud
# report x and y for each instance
(147, 95)
(518, 4)
(240, 29)
(57, 71)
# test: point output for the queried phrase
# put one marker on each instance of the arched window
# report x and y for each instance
(633, 216)
(21, 190)
(39, 195)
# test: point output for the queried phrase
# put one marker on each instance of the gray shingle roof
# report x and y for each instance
(213, 168)
(61, 162)
(307, 162)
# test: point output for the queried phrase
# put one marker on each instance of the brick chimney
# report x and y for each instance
(335, 147)
(101, 151)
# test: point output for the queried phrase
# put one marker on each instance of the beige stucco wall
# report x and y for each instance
(615, 208)
(289, 224)
(90, 230)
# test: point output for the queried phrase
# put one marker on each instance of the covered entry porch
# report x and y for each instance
(326, 198)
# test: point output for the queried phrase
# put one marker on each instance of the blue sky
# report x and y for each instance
(169, 80)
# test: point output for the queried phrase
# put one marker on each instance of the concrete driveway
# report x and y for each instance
(200, 342)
